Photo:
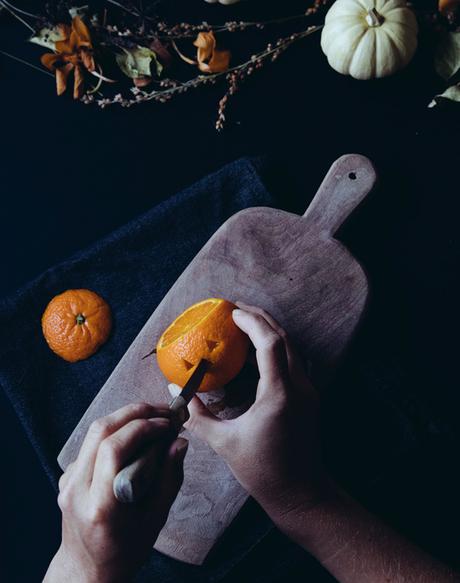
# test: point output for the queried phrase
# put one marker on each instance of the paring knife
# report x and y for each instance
(133, 482)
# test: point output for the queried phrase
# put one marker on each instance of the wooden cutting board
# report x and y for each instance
(287, 264)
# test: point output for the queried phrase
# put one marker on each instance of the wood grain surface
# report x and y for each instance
(287, 264)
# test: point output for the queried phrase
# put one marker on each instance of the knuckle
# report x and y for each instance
(139, 408)
(62, 480)
(110, 450)
(267, 317)
(64, 500)
(100, 428)
(259, 318)
(95, 515)
(142, 426)
(283, 334)
(273, 343)
(193, 422)
(258, 312)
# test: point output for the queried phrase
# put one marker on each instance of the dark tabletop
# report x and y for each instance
(72, 173)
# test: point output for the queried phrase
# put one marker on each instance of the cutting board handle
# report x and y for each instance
(347, 183)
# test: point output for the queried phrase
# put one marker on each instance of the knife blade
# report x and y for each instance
(179, 403)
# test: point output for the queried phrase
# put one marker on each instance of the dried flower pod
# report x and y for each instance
(450, 9)
(446, 6)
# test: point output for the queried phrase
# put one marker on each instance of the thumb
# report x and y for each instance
(205, 424)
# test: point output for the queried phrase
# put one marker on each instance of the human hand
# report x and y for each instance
(273, 449)
(103, 539)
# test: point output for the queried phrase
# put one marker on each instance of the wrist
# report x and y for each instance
(323, 527)
(65, 567)
(300, 508)
(295, 500)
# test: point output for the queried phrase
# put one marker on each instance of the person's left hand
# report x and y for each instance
(102, 539)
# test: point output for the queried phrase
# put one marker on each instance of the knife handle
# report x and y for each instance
(135, 480)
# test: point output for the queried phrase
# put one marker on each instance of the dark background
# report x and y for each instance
(72, 173)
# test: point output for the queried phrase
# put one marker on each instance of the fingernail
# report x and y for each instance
(236, 313)
(181, 450)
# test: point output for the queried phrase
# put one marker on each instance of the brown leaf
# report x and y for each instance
(74, 52)
(451, 10)
(210, 59)
(78, 82)
(88, 60)
(142, 81)
(162, 52)
(61, 78)
(82, 32)
(49, 60)
(446, 6)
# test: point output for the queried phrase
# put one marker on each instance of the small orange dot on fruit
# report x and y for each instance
(76, 324)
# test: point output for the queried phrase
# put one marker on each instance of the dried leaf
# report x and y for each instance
(451, 93)
(50, 60)
(88, 60)
(61, 78)
(447, 58)
(82, 32)
(73, 52)
(446, 6)
(136, 63)
(47, 37)
(210, 59)
(78, 82)
(142, 81)
(162, 52)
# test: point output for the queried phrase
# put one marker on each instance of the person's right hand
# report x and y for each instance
(104, 540)
(273, 449)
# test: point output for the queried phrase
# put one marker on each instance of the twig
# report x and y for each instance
(241, 66)
(13, 13)
(174, 87)
(227, 27)
(26, 63)
(119, 5)
(20, 10)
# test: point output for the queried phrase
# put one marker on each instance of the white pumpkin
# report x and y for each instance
(369, 38)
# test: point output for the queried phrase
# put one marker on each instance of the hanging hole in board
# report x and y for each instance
(352, 176)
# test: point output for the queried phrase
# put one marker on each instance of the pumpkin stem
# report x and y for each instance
(373, 18)
(80, 319)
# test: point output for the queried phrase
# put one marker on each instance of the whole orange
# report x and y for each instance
(205, 330)
(76, 323)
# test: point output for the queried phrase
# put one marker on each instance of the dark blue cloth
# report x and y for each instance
(132, 269)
